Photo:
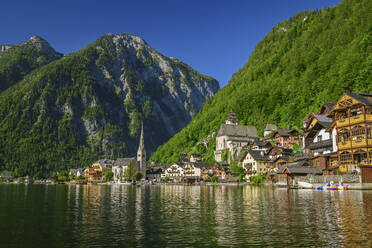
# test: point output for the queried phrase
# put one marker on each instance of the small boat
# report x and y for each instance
(343, 187)
(305, 185)
(332, 188)
(124, 183)
(320, 188)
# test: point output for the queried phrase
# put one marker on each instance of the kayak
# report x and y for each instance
(305, 185)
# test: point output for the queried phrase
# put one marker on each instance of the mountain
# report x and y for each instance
(16, 61)
(303, 62)
(91, 104)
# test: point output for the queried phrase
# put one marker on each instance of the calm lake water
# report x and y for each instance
(182, 216)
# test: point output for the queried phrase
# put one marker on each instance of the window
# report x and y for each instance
(357, 131)
(340, 116)
(319, 138)
(368, 131)
(345, 158)
(343, 136)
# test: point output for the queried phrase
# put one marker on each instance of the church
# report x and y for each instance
(233, 137)
(139, 162)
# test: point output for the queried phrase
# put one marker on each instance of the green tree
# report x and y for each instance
(108, 176)
(129, 172)
(257, 180)
(214, 179)
(138, 176)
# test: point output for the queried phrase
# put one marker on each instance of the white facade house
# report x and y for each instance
(254, 162)
(174, 171)
(324, 136)
(121, 165)
(191, 170)
(317, 139)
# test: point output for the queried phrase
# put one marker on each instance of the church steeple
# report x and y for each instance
(231, 118)
(141, 154)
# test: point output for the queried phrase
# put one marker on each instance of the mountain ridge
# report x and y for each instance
(91, 103)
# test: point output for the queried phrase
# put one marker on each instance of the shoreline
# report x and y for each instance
(352, 186)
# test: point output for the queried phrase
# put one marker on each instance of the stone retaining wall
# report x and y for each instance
(348, 178)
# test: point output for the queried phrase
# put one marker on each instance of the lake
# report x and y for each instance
(182, 216)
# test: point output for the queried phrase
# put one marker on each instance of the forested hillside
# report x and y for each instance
(16, 61)
(303, 62)
(91, 104)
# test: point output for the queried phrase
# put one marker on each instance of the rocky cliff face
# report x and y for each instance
(90, 104)
(174, 91)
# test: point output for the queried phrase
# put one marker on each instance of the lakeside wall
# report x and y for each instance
(347, 178)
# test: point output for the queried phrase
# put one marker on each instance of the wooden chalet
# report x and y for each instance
(352, 127)
(97, 171)
(278, 156)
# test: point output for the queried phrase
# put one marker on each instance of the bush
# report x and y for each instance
(137, 176)
(63, 176)
(214, 179)
(257, 180)
(108, 176)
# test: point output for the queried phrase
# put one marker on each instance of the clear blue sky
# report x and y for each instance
(215, 37)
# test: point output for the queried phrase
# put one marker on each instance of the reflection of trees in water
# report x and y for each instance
(178, 215)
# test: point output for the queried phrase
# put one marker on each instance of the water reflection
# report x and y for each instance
(181, 216)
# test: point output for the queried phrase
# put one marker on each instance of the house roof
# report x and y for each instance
(258, 155)
(201, 165)
(300, 167)
(262, 143)
(154, 171)
(328, 106)
(283, 157)
(271, 127)
(237, 131)
(362, 97)
(282, 150)
(302, 156)
(286, 132)
(305, 170)
(124, 161)
(222, 165)
(323, 120)
(105, 163)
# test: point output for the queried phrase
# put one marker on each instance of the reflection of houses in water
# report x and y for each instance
(351, 217)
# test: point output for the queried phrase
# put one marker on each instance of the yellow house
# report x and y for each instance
(254, 162)
(353, 123)
(97, 171)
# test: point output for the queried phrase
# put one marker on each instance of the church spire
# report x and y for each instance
(142, 140)
(141, 153)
